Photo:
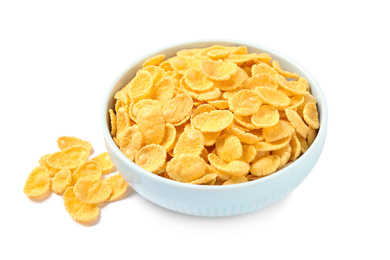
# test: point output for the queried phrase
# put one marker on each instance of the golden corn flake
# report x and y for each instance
(270, 146)
(151, 124)
(236, 180)
(235, 82)
(280, 130)
(186, 167)
(38, 182)
(273, 97)
(118, 185)
(297, 122)
(89, 170)
(43, 162)
(177, 109)
(262, 80)
(265, 116)
(70, 157)
(61, 181)
(213, 115)
(112, 122)
(105, 163)
(140, 87)
(154, 61)
(78, 209)
(213, 121)
(310, 115)
(218, 70)
(244, 103)
(151, 157)
(189, 142)
(228, 147)
(236, 167)
(197, 81)
(169, 137)
(265, 166)
(68, 141)
(92, 191)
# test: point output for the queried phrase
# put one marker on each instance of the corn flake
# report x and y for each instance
(118, 185)
(265, 116)
(177, 109)
(151, 124)
(213, 121)
(141, 86)
(151, 157)
(265, 166)
(89, 170)
(61, 181)
(189, 142)
(218, 70)
(228, 147)
(281, 130)
(37, 183)
(310, 115)
(244, 103)
(297, 122)
(78, 209)
(273, 97)
(154, 61)
(68, 141)
(70, 157)
(105, 163)
(92, 191)
(186, 167)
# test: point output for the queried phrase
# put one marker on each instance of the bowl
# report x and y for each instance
(215, 201)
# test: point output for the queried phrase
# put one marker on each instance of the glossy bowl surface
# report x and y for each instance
(213, 201)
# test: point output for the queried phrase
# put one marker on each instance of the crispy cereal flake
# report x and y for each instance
(118, 185)
(151, 157)
(38, 182)
(78, 209)
(265, 166)
(186, 167)
(213, 121)
(310, 115)
(105, 163)
(89, 170)
(68, 141)
(70, 157)
(92, 191)
(61, 181)
(218, 70)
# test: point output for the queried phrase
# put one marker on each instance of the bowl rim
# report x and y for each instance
(322, 131)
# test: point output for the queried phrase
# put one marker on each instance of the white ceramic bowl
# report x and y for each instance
(202, 200)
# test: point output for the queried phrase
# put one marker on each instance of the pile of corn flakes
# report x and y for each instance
(84, 183)
(214, 116)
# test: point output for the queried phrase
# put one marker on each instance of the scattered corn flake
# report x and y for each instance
(105, 162)
(310, 115)
(68, 141)
(265, 166)
(43, 162)
(151, 157)
(78, 209)
(37, 183)
(186, 167)
(191, 141)
(70, 157)
(213, 121)
(244, 103)
(118, 185)
(273, 97)
(151, 123)
(297, 122)
(228, 147)
(88, 170)
(218, 70)
(265, 116)
(61, 181)
(154, 61)
(92, 191)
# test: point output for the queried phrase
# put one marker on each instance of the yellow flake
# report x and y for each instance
(297, 122)
(92, 191)
(61, 181)
(273, 97)
(105, 162)
(218, 70)
(265, 166)
(151, 157)
(228, 147)
(68, 141)
(78, 209)
(189, 142)
(310, 115)
(118, 185)
(213, 121)
(151, 124)
(186, 167)
(244, 103)
(89, 170)
(70, 157)
(265, 116)
(37, 183)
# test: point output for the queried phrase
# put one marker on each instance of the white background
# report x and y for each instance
(57, 61)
